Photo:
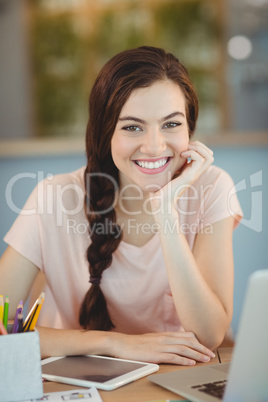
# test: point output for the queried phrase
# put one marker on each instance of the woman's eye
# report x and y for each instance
(171, 125)
(132, 128)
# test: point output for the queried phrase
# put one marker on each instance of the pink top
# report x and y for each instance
(52, 232)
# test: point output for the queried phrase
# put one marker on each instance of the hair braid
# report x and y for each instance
(93, 311)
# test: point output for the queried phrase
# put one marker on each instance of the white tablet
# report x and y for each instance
(99, 371)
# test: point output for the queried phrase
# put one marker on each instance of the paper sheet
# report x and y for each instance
(90, 394)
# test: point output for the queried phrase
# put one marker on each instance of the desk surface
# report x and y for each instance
(142, 390)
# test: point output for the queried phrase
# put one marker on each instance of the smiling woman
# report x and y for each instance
(150, 135)
(153, 230)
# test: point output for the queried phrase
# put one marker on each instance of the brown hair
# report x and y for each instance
(131, 69)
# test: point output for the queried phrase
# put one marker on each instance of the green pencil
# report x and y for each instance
(6, 307)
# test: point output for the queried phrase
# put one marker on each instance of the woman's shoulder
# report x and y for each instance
(61, 182)
(66, 188)
(75, 177)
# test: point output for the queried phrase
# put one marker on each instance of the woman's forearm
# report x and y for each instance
(199, 308)
(176, 348)
(62, 342)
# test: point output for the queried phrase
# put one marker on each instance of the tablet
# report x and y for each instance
(99, 371)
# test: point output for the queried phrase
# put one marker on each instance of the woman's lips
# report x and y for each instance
(152, 166)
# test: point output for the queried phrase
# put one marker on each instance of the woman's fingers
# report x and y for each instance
(187, 340)
(197, 145)
(187, 352)
(200, 156)
(197, 150)
(175, 348)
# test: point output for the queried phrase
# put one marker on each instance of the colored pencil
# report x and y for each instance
(34, 313)
(6, 307)
(20, 322)
(16, 323)
(1, 308)
(3, 330)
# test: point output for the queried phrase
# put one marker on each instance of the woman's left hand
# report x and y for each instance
(200, 158)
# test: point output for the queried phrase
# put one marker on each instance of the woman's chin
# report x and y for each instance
(153, 188)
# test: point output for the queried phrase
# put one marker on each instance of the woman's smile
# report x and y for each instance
(152, 166)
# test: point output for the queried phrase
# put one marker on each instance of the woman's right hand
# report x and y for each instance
(181, 348)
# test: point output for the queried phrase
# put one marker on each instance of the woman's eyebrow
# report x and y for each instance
(124, 118)
(131, 118)
(174, 114)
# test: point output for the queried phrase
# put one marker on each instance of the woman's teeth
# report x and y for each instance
(152, 165)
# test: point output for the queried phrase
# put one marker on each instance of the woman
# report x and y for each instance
(154, 228)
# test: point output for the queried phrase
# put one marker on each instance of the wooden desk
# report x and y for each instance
(142, 390)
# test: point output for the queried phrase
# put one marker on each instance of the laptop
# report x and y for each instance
(245, 378)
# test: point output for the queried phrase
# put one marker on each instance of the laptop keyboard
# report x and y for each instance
(215, 389)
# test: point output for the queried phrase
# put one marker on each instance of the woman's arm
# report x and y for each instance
(173, 347)
(201, 280)
(17, 276)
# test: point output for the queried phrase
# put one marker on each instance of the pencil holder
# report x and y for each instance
(20, 367)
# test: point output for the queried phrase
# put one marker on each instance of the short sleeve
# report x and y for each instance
(219, 199)
(24, 235)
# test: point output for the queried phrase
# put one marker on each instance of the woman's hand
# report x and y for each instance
(201, 157)
(169, 347)
(198, 159)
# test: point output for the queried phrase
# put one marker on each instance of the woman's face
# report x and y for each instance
(150, 135)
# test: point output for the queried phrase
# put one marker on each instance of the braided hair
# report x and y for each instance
(128, 70)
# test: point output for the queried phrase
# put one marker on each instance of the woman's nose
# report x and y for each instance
(153, 143)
